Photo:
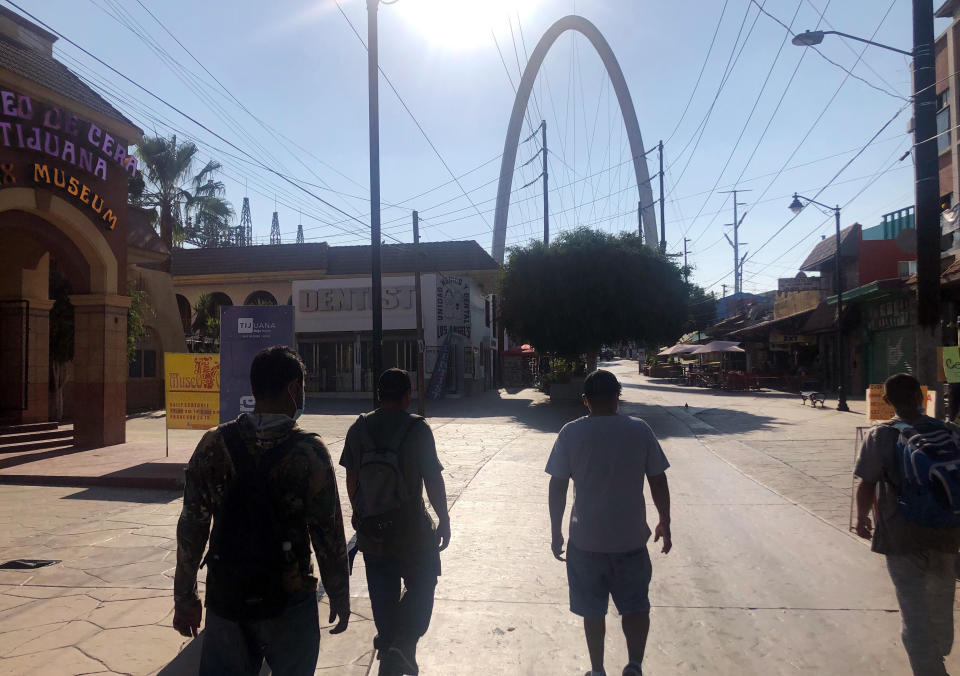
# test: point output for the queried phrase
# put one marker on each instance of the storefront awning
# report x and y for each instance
(766, 326)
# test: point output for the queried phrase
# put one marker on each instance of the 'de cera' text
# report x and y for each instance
(26, 124)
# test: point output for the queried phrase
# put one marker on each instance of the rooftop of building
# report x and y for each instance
(454, 256)
(826, 248)
(26, 51)
(947, 9)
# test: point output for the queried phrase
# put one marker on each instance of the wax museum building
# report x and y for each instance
(64, 166)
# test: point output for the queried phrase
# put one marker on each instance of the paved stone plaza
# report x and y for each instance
(764, 577)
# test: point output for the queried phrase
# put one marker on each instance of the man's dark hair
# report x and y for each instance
(273, 369)
(902, 390)
(601, 385)
(393, 384)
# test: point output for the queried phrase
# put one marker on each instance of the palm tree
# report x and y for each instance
(191, 206)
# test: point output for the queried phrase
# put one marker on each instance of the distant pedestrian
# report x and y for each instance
(608, 455)
(908, 469)
(270, 489)
(390, 456)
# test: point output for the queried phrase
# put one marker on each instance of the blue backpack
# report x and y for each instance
(928, 468)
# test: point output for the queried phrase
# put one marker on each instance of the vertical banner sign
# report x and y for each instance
(438, 379)
(244, 331)
(192, 390)
(453, 306)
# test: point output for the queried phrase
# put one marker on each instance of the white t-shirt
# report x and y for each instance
(607, 457)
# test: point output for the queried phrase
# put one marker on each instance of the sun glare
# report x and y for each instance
(461, 24)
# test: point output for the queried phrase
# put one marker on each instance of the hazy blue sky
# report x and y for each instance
(298, 67)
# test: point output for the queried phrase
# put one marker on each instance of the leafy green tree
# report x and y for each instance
(137, 315)
(206, 323)
(191, 206)
(590, 288)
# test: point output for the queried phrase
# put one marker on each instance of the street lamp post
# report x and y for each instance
(796, 206)
(376, 291)
(926, 180)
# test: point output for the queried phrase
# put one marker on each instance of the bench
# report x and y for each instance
(814, 397)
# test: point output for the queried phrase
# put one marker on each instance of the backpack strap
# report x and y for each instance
(236, 447)
(396, 441)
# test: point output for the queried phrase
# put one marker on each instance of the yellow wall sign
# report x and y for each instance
(192, 389)
(879, 411)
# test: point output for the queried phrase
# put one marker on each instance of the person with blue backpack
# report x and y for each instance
(391, 457)
(910, 479)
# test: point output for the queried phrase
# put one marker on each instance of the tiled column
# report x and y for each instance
(38, 362)
(100, 369)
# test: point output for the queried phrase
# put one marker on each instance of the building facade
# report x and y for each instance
(330, 290)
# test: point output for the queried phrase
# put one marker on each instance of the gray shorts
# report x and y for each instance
(594, 577)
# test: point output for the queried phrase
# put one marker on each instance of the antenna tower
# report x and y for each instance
(300, 230)
(275, 229)
(246, 224)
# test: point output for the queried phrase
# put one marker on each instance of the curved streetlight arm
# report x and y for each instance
(819, 204)
(817, 36)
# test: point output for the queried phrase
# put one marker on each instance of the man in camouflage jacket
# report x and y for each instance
(305, 506)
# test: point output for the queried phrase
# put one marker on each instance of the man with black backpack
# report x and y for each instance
(910, 476)
(270, 490)
(390, 457)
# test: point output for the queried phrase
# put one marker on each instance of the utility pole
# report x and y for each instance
(737, 220)
(376, 291)
(421, 395)
(927, 195)
(663, 227)
(686, 270)
(724, 290)
(546, 194)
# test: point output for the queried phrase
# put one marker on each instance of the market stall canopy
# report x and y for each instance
(718, 346)
(679, 348)
(523, 350)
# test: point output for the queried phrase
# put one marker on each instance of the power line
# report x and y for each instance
(831, 61)
(703, 67)
(179, 111)
(410, 113)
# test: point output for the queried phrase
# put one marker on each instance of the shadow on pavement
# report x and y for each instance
(105, 494)
(526, 406)
(187, 661)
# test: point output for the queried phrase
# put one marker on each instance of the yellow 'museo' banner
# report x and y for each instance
(191, 384)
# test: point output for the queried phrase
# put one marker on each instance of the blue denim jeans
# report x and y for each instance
(290, 643)
(401, 618)
(926, 584)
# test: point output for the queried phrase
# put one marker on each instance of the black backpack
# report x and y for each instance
(248, 552)
(384, 507)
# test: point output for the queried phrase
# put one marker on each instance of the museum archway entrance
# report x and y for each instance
(40, 231)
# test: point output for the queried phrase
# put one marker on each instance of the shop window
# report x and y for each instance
(145, 361)
(906, 268)
(144, 365)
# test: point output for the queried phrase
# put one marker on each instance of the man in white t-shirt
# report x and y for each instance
(608, 455)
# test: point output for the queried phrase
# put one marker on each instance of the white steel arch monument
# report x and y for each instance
(629, 113)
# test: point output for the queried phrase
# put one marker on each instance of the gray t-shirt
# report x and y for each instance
(607, 457)
(893, 533)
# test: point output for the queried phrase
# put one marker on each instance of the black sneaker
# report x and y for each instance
(400, 661)
(632, 670)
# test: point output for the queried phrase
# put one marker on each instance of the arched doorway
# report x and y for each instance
(260, 298)
(38, 226)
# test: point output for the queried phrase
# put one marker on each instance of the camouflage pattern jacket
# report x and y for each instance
(304, 478)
